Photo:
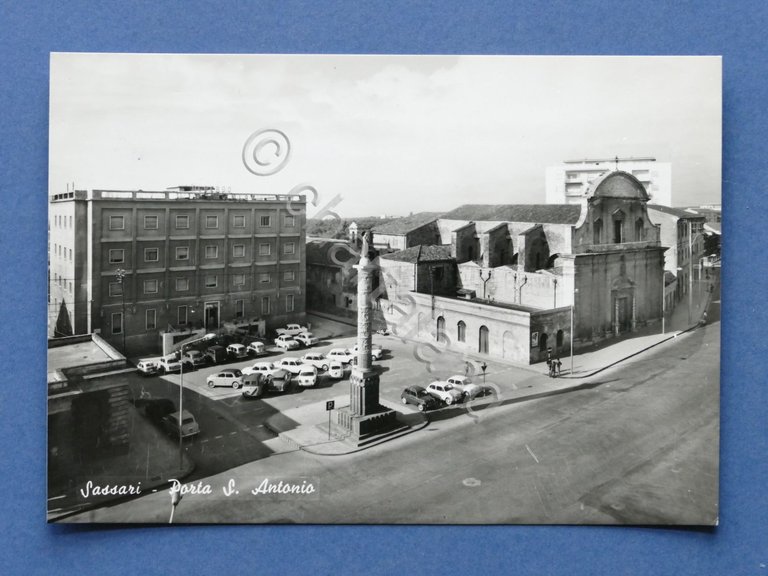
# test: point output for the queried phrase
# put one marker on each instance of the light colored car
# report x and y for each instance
(256, 348)
(444, 392)
(170, 363)
(307, 375)
(336, 370)
(376, 351)
(187, 427)
(292, 365)
(461, 383)
(316, 359)
(306, 339)
(232, 378)
(268, 369)
(292, 330)
(195, 358)
(148, 367)
(237, 351)
(286, 342)
(342, 355)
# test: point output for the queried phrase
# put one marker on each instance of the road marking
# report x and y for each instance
(531, 453)
(471, 482)
(57, 497)
(220, 436)
(233, 433)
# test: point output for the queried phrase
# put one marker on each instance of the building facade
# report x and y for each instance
(401, 233)
(135, 263)
(570, 181)
(521, 272)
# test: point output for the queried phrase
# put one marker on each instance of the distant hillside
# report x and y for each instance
(332, 228)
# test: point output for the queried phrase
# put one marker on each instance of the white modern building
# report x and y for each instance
(568, 183)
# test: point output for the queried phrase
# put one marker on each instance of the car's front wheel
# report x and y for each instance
(422, 408)
(449, 400)
(210, 384)
(236, 385)
(325, 367)
(405, 401)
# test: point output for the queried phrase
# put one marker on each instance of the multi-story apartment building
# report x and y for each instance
(569, 182)
(129, 264)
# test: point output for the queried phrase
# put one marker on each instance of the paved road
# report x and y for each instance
(640, 446)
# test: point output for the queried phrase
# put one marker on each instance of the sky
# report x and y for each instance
(378, 135)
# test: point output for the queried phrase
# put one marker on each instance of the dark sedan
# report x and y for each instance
(420, 397)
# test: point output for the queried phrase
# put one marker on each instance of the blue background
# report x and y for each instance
(28, 32)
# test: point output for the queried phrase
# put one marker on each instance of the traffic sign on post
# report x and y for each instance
(330, 404)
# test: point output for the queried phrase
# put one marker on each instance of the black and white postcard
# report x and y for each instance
(337, 289)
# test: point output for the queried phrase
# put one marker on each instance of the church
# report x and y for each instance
(512, 281)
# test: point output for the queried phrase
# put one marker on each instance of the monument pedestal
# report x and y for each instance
(365, 420)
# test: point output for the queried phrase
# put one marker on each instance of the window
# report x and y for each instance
(182, 284)
(289, 303)
(116, 256)
(265, 278)
(265, 249)
(182, 221)
(150, 286)
(617, 229)
(440, 334)
(289, 248)
(238, 251)
(238, 221)
(70, 287)
(289, 275)
(265, 221)
(151, 255)
(597, 231)
(211, 251)
(239, 308)
(117, 323)
(211, 221)
(150, 319)
(265, 309)
(181, 315)
(116, 223)
(289, 221)
(115, 289)
(150, 222)
(70, 221)
(639, 229)
(211, 281)
(182, 252)
(461, 331)
(238, 280)
(70, 254)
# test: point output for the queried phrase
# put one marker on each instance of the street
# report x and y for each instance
(637, 445)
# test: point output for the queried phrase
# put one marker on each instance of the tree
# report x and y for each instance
(63, 324)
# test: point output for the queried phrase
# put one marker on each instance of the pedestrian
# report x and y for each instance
(466, 368)
(551, 368)
(559, 365)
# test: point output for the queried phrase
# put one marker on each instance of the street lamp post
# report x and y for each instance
(663, 299)
(120, 273)
(181, 391)
(573, 305)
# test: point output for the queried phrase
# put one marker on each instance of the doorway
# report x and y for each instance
(211, 316)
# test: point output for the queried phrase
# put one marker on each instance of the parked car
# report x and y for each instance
(171, 363)
(459, 382)
(237, 351)
(286, 342)
(256, 348)
(420, 397)
(195, 358)
(444, 392)
(292, 330)
(187, 427)
(233, 378)
(307, 375)
(478, 391)
(158, 408)
(268, 370)
(148, 367)
(342, 355)
(216, 354)
(306, 339)
(316, 359)
(256, 384)
(376, 351)
(292, 365)
(336, 370)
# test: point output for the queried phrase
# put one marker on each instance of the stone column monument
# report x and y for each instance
(365, 417)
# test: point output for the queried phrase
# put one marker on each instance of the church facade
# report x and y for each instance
(513, 281)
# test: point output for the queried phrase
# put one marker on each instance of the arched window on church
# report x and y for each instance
(639, 230)
(618, 227)
(597, 231)
(461, 331)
